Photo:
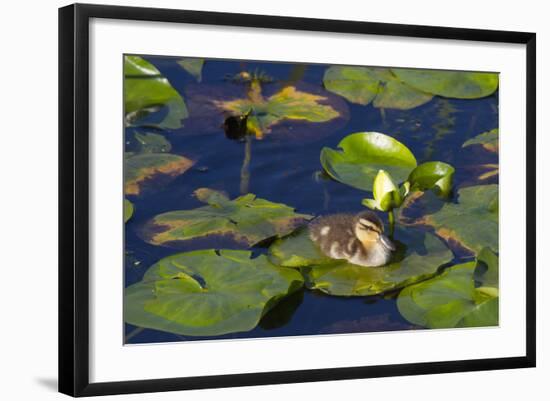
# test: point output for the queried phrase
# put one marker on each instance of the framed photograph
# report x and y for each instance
(250, 199)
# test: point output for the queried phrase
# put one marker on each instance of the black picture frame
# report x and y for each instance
(74, 198)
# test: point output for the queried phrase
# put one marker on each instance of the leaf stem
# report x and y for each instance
(391, 219)
(245, 169)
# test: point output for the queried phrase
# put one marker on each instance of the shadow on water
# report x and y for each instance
(284, 167)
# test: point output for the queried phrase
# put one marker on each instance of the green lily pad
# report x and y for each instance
(430, 175)
(145, 88)
(489, 140)
(287, 104)
(363, 154)
(193, 66)
(417, 258)
(453, 84)
(142, 168)
(208, 292)
(452, 299)
(128, 210)
(472, 222)
(247, 220)
(363, 85)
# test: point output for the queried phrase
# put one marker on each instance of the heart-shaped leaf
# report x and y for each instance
(453, 84)
(142, 168)
(452, 299)
(380, 86)
(417, 258)
(208, 292)
(363, 154)
(145, 88)
(433, 175)
(247, 220)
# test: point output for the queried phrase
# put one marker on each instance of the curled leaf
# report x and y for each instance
(433, 175)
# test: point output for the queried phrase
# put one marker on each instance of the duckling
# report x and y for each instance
(357, 238)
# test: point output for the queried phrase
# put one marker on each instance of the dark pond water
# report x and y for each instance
(284, 168)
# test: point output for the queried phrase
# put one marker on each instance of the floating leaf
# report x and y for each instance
(380, 86)
(473, 221)
(193, 66)
(453, 84)
(246, 219)
(144, 167)
(489, 140)
(417, 258)
(451, 300)
(208, 292)
(362, 155)
(430, 175)
(287, 104)
(145, 88)
(128, 210)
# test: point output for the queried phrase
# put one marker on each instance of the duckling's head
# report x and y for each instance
(369, 230)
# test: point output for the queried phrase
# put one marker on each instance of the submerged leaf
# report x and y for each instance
(144, 167)
(128, 210)
(246, 219)
(208, 292)
(417, 258)
(489, 140)
(193, 66)
(145, 87)
(287, 104)
(150, 142)
(380, 86)
(363, 154)
(451, 300)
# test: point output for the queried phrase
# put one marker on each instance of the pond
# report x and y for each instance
(284, 167)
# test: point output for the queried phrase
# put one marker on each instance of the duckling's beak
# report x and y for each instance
(387, 242)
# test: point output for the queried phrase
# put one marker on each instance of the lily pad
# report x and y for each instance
(362, 155)
(287, 104)
(193, 66)
(489, 140)
(451, 300)
(144, 167)
(146, 88)
(247, 220)
(472, 222)
(363, 85)
(208, 292)
(128, 210)
(453, 84)
(417, 258)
